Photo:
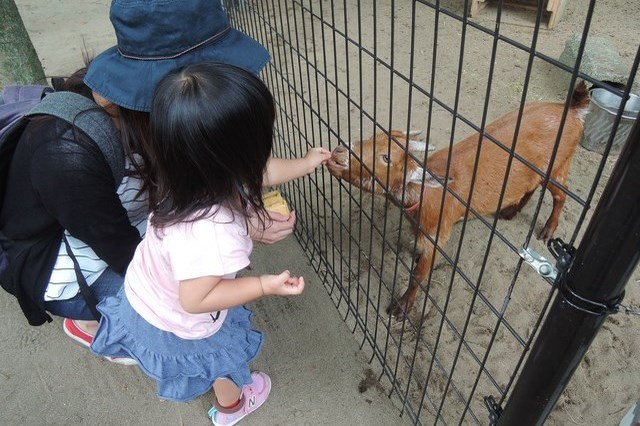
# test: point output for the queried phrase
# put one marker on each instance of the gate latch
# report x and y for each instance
(539, 263)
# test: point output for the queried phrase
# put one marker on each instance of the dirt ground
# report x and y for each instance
(607, 382)
(361, 91)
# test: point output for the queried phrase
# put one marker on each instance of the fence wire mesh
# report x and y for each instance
(343, 71)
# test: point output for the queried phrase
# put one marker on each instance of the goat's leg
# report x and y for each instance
(510, 211)
(559, 198)
(401, 307)
(430, 220)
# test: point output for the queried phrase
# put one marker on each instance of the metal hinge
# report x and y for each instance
(495, 410)
(563, 253)
(539, 263)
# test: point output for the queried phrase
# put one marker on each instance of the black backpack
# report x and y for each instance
(19, 102)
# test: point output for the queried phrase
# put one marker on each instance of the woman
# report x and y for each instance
(60, 183)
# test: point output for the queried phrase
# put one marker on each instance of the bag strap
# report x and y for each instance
(83, 113)
(82, 282)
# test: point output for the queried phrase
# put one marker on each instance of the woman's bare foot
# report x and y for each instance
(89, 327)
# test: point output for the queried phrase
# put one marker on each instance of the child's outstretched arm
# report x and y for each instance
(209, 294)
(280, 170)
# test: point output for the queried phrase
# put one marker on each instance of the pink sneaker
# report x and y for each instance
(253, 396)
(72, 330)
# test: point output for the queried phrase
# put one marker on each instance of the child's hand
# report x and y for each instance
(317, 156)
(282, 285)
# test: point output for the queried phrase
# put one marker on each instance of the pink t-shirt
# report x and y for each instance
(215, 246)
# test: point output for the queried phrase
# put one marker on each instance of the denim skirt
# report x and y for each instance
(182, 368)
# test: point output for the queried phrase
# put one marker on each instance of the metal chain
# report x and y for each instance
(627, 310)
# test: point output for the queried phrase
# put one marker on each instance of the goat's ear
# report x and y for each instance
(420, 146)
(432, 182)
(429, 181)
(416, 176)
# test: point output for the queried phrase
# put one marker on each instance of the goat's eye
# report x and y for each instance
(385, 159)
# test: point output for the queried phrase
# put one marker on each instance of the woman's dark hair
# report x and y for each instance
(211, 138)
(134, 125)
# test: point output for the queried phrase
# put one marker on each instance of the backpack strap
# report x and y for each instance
(85, 290)
(86, 115)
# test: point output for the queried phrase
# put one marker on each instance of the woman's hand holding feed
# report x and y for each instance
(276, 228)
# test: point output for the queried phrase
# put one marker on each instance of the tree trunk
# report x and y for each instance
(19, 63)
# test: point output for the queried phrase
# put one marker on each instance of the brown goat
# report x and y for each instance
(386, 155)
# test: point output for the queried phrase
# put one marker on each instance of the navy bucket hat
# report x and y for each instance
(155, 37)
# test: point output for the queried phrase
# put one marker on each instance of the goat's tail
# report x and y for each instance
(580, 96)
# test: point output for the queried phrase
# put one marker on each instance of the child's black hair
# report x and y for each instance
(211, 138)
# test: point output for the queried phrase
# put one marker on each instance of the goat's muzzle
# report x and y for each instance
(338, 164)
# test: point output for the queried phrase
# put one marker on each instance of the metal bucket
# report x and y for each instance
(598, 123)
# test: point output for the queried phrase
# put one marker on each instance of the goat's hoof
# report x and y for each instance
(397, 310)
(545, 234)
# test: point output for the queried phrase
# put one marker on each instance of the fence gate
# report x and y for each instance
(423, 76)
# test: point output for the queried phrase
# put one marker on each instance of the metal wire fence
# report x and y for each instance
(343, 71)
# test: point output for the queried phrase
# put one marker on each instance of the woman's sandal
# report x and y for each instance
(72, 330)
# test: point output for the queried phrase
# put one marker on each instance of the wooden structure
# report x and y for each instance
(554, 8)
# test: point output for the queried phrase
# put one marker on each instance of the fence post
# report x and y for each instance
(606, 257)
